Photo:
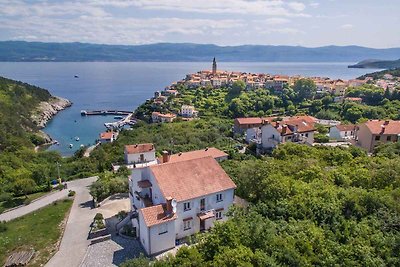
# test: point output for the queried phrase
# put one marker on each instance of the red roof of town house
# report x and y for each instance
(301, 125)
(207, 152)
(157, 214)
(252, 120)
(383, 127)
(139, 148)
(106, 135)
(344, 127)
(190, 179)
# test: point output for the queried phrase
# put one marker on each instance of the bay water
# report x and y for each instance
(125, 85)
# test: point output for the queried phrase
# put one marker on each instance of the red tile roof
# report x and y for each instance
(212, 151)
(389, 126)
(139, 148)
(252, 120)
(190, 179)
(156, 215)
(344, 127)
(106, 135)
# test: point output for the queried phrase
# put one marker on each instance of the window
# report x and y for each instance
(306, 134)
(186, 206)
(162, 228)
(218, 215)
(219, 197)
(377, 137)
(389, 138)
(187, 225)
(202, 204)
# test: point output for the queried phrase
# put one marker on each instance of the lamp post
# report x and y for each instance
(58, 171)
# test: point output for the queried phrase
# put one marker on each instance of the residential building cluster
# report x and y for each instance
(269, 132)
(176, 196)
(388, 81)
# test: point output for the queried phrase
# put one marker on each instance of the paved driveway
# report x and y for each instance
(76, 186)
(74, 242)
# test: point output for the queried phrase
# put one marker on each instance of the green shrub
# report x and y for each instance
(4, 197)
(98, 216)
(27, 201)
(71, 193)
(3, 227)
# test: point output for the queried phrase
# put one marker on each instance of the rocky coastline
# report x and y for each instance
(47, 110)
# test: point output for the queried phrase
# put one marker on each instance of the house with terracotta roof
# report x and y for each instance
(342, 132)
(375, 132)
(240, 125)
(298, 129)
(108, 137)
(213, 152)
(174, 200)
(160, 117)
(139, 153)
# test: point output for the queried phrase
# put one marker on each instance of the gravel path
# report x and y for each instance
(112, 252)
(46, 200)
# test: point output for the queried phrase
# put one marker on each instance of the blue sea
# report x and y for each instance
(125, 85)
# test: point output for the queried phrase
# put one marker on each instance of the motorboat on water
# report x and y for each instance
(77, 139)
(71, 145)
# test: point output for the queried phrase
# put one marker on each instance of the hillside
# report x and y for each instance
(37, 51)
(377, 64)
(24, 109)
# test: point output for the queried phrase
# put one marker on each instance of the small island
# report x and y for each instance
(377, 64)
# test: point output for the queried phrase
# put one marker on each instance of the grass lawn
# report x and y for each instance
(39, 230)
(17, 201)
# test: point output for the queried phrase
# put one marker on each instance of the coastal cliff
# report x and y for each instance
(47, 109)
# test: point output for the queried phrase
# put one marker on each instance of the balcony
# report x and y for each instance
(145, 198)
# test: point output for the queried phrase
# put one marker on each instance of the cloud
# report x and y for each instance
(297, 6)
(347, 26)
(254, 7)
(314, 4)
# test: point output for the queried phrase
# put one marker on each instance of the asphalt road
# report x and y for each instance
(76, 185)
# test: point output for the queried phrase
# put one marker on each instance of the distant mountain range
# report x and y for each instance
(377, 64)
(37, 51)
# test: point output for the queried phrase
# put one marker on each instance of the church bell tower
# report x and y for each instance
(214, 67)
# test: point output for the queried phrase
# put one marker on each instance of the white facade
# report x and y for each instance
(162, 236)
(188, 111)
(131, 158)
(338, 134)
(253, 135)
(270, 137)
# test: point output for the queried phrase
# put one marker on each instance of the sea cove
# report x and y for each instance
(125, 85)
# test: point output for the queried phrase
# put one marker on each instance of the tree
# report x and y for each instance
(305, 89)
(24, 186)
(237, 87)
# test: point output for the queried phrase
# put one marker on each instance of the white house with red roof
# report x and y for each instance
(108, 137)
(139, 153)
(342, 132)
(298, 129)
(178, 198)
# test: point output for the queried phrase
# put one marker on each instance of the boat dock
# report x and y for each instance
(128, 120)
(105, 112)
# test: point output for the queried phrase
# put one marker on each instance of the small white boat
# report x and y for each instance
(77, 138)
(71, 145)
(82, 145)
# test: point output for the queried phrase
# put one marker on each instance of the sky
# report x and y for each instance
(311, 23)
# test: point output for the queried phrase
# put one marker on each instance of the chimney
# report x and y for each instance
(165, 156)
(277, 124)
(386, 122)
(382, 129)
(206, 148)
(169, 205)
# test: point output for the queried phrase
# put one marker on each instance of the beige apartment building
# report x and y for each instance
(375, 132)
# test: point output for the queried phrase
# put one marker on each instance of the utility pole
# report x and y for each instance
(58, 170)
